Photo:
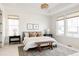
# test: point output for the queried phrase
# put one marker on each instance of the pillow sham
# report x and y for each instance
(26, 34)
(38, 34)
(32, 34)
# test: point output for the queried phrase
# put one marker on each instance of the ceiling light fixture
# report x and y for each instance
(44, 6)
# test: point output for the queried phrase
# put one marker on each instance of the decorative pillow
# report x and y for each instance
(32, 34)
(38, 34)
(26, 34)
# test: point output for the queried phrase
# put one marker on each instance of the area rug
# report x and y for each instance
(57, 51)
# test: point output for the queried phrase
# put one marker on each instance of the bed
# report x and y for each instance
(30, 39)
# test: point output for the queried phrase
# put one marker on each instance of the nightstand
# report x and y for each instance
(49, 35)
(14, 39)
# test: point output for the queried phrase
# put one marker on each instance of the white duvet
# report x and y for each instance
(30, 42)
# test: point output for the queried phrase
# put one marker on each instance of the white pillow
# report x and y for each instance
(26, 34)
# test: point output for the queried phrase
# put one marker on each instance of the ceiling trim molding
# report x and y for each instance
(63, 9)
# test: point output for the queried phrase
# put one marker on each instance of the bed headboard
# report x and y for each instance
(31, 34)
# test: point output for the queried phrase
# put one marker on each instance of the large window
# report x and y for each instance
(71, 27)
(13, 27)
(60, 27)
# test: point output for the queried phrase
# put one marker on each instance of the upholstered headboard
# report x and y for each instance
(31, 34)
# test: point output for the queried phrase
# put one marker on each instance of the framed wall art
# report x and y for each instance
(29, 26)
(35, 26)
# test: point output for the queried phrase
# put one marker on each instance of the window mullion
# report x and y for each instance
(65, 27)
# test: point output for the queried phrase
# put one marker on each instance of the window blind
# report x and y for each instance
(71, 15)
(13, 17)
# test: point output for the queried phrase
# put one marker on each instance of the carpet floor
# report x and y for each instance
(57, 51)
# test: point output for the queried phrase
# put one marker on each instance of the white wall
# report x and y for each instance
(25, 18)
(42, 20)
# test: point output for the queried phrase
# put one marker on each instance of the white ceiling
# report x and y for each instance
(54, 8)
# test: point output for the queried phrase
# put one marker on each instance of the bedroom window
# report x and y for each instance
(73, 27)
(60, 27)
(13, 26)
(68, 27)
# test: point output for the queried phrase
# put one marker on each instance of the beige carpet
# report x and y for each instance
(57, 51)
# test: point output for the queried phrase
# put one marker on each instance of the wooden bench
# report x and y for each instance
(46, 42)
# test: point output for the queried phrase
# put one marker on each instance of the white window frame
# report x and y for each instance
(72, 32)
(57, 29)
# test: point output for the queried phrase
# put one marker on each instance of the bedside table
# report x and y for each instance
(49, 35)
(14, 39)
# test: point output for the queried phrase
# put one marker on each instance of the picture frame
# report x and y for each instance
(35, 26)
(29, 26)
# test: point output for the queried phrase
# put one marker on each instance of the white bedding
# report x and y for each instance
(30, 42)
